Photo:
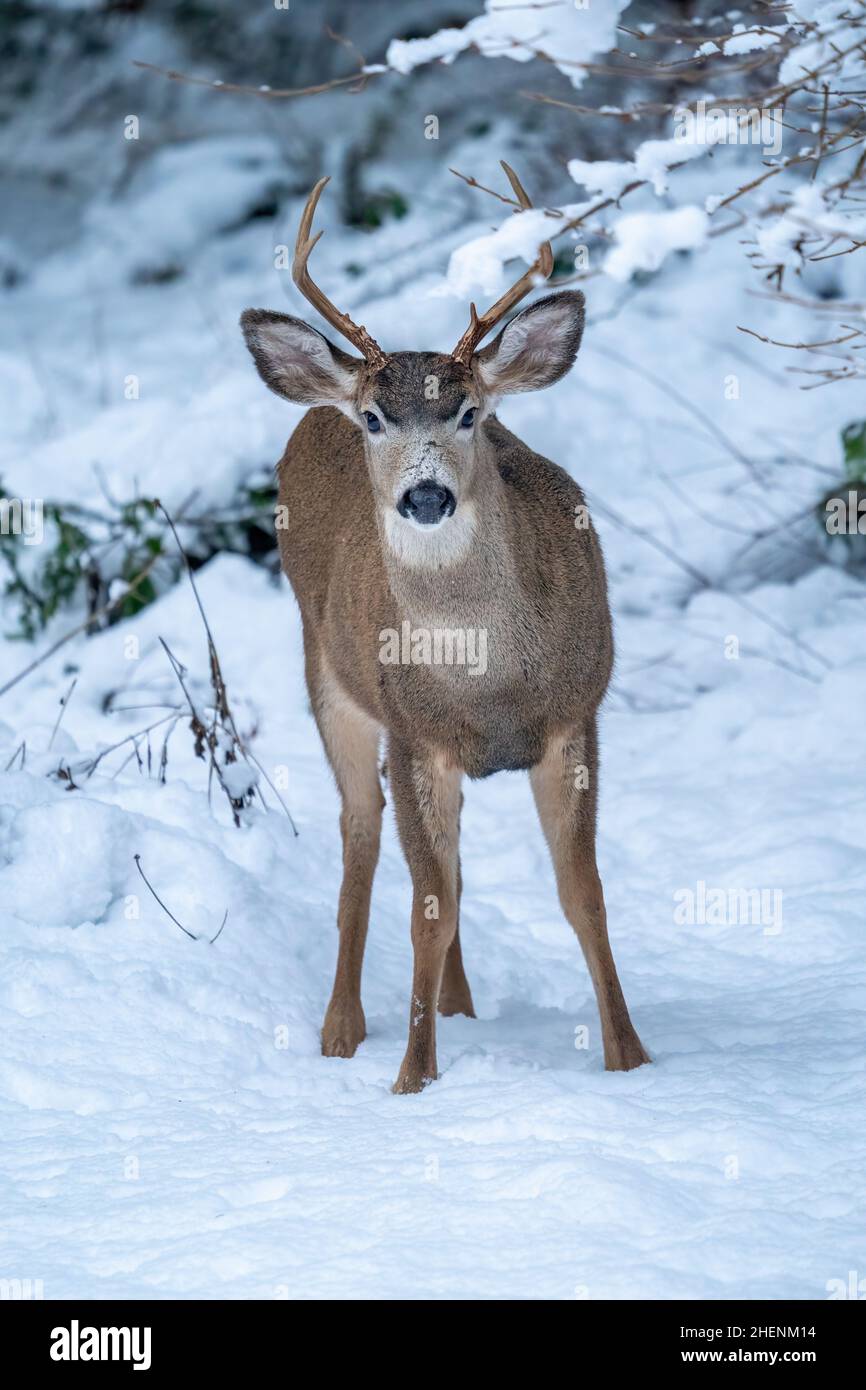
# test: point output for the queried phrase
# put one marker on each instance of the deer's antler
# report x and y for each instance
(480, 327)
(355, 333)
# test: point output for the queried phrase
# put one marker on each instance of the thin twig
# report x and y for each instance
(22, 749)
(204, 738)
(88, 768)
(216, 938)
(63, 703)
(167, 911)
(828, 342)
(271, 93)
(222, 708)
(473, 183)
(191, 935)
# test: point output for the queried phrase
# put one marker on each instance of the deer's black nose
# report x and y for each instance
(427, 503)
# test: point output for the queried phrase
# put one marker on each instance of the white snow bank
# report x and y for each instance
(172, 1130)
(180, 197)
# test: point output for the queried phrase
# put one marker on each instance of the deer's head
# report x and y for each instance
(420, 413)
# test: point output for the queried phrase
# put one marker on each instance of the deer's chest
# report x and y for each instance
(483, 688)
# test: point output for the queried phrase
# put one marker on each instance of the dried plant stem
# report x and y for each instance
(63, 703)
(169, 913)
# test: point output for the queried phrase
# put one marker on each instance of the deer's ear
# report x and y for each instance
(298, 362)
(536, 348)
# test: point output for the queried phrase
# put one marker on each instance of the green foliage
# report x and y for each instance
(116, 561)
(244, 527)
(377, 206)
(563, 264)
(66, 565)
(854, 448)
(841, 512)
(81, 551)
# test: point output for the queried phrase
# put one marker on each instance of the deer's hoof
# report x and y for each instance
(342, 1032)
(410, 1081)
(457, 1002)
(626, 1053)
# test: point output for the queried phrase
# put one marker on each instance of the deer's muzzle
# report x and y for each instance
(427, 503)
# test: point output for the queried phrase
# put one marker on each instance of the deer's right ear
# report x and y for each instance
(298, 362)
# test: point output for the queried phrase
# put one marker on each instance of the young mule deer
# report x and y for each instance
(410, 510)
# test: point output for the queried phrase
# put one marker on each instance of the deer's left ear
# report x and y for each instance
(536, 348)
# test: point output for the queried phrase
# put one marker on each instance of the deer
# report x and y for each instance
(409, 508)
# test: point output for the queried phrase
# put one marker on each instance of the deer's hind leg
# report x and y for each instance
(564, 784)
(455, 996)
(351, 741)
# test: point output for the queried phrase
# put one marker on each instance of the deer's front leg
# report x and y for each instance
(427, 803)
(564, 784)
(351, 741)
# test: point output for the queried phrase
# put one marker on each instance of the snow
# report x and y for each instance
(445, 45)
(834, 37)
(169, 1127)
(644, 239)
(187, 1139)
(654, 158)
(809, 212)
(209, 185)
(652, 161)
(513, 29)
(745, 40)
(605, 177)
(479, 263)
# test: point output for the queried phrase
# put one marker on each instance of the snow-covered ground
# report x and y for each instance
(169, 1127)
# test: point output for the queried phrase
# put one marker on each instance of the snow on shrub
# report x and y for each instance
(644, 239)
(517, 30)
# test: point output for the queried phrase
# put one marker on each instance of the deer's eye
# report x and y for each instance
(373, 424)
(467, 419)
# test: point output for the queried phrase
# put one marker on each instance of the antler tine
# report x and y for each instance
(480, 327)
(353, 332)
